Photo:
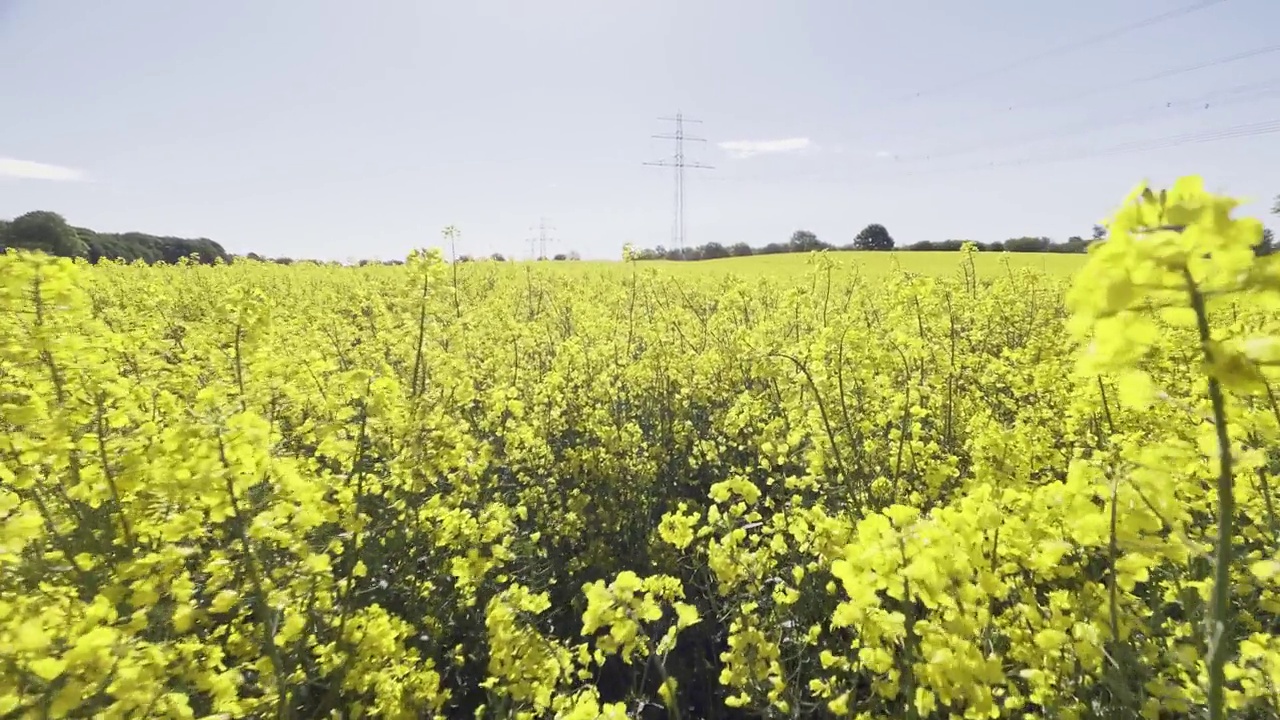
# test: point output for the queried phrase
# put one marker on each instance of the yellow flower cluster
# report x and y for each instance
(497, 491)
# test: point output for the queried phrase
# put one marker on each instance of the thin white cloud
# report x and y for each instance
(28, 170)
(884, 154)
(749, 148)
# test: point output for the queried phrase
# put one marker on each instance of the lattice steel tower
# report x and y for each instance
(678, 163)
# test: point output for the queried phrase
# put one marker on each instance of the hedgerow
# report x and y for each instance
(252, 490)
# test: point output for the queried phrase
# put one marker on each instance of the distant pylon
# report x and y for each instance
(678, 163)
(538, 243)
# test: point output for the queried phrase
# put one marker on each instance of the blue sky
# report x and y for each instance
(340, 130)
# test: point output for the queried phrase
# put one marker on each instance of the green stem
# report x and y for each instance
(1219, 612)
(110, 476)
(673, 708)
(261, 606)
(416, 381)
(822, 409)
(910, 642)
(1113, 551)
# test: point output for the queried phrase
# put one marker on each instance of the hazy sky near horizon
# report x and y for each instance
(338, 130)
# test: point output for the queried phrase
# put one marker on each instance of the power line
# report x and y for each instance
(1160, 75)
(1163, 74)
(1266, 127)
(1072, 46)
(678, 163)
(1264, 90)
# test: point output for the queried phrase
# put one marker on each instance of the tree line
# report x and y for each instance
(876, 237)
(50, 233)
(873, 237)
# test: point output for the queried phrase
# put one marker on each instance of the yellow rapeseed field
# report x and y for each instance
(938, 264)
(866, 485)
(797, 266)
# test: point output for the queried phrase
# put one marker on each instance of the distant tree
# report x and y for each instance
(1099, 232)
(465, 258)
(573, 255)
(50, 233)
(1028, 244)
(873, 237)
(1267, 245)
(46, 232)
(805, 241)
(203, 250)
(740, 249)
(560, 257)
(1076, 244)
(127, 247)
(713, 251)
(949, 245)
(497, 257)
(650, 254)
